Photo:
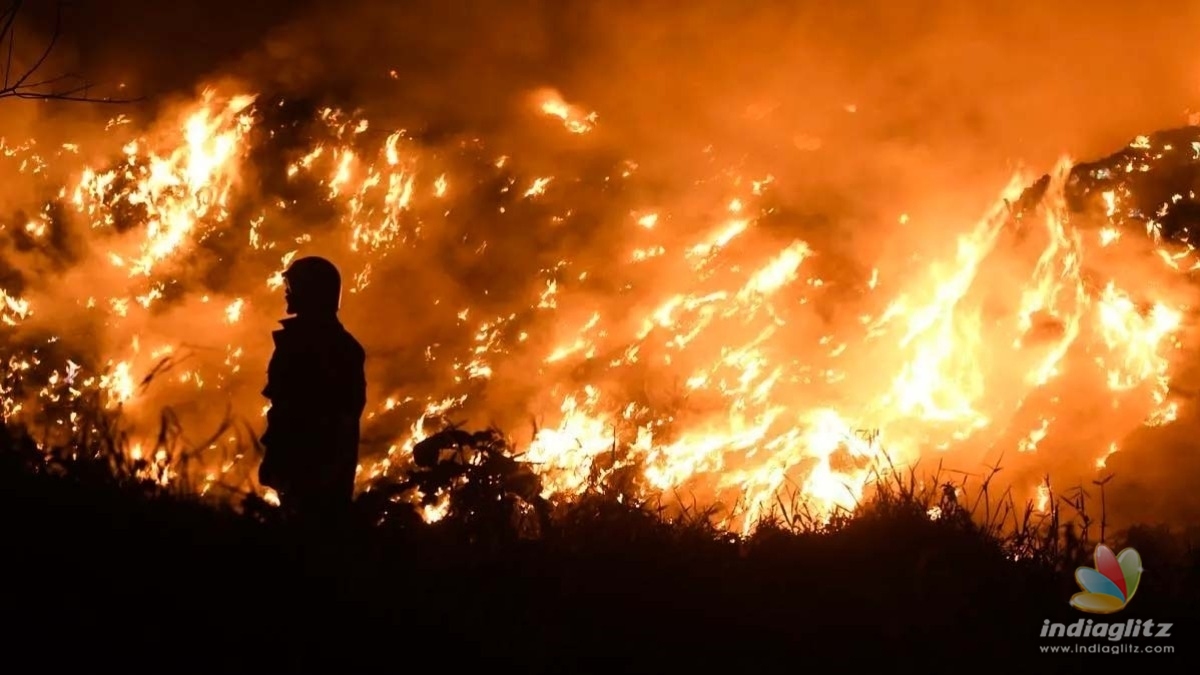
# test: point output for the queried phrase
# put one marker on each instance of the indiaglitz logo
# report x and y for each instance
(1110, 585)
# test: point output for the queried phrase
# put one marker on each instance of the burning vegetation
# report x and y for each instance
(708, 346)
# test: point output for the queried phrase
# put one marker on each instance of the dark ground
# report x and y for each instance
(103, 574)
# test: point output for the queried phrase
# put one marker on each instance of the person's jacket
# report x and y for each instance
(316, 386)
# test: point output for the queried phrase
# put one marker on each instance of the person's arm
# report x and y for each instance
(271, 388)
(281, 393)
(359, 387)
(352, 378)
(268, 468)
(277, 369)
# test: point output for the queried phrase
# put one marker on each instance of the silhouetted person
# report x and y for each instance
(317, 388)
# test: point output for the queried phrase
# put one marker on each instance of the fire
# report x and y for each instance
(178, 189)
(573, 118)
(14, 310)
(710, 374)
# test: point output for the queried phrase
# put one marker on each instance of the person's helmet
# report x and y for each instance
(313, 286)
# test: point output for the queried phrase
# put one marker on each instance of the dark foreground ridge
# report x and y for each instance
(106, 571)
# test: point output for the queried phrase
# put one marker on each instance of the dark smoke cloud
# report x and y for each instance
(941, 89)
(862, 111)
(945, 94)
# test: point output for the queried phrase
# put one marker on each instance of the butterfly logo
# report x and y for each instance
(1110, 585)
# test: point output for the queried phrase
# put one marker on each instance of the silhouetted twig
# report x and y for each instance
(28, 82)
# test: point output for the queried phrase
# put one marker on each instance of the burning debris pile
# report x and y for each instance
(699, 340)
(1148, 185)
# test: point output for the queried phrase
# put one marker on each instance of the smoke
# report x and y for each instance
(883, 131)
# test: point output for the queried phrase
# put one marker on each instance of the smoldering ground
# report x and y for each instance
(859, 113)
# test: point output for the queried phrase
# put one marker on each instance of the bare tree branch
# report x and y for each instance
(26, 83)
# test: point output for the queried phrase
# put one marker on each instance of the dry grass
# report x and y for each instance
(496, 496)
